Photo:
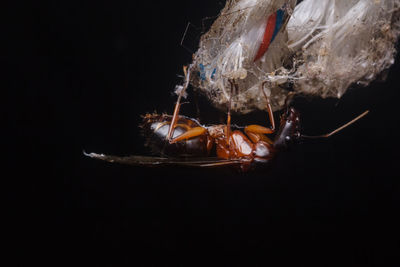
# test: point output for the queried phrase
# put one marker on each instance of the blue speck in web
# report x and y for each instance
(202, 72)
(213, 74)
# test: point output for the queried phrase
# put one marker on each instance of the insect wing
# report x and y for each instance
(149, 161)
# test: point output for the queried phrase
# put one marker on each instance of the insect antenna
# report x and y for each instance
(338, 129)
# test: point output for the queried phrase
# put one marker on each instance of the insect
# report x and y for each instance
(243, 148)
(209, 146)
(193, 144)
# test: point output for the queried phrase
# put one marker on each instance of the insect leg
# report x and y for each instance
(256, 137)
(193, 132)
(187, 71)
(258, 129)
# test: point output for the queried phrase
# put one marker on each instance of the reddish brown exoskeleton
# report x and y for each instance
(244, 149)
(181, 140)
(212, 146)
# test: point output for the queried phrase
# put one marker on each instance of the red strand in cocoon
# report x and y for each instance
(269, 31)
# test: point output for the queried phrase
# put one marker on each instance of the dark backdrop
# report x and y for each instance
(80, 74)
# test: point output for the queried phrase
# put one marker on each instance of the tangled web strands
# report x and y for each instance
(229, 51)
(342, 42)
(319, 47)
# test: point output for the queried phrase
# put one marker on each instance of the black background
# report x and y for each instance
(80, 74)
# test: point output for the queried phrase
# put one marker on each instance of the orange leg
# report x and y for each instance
(161, 124)
(191, 133)
(256, 132)
(228, 120)
(256, 137)
(175, 117)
